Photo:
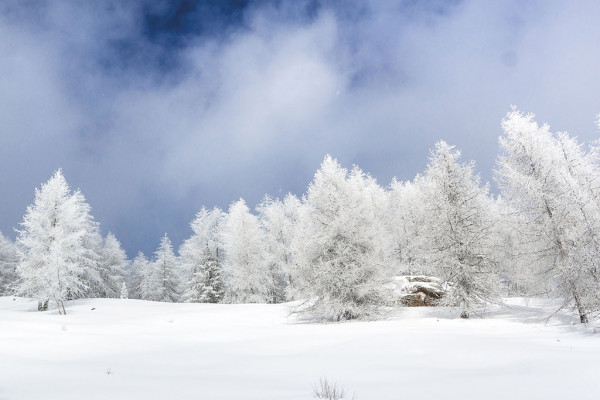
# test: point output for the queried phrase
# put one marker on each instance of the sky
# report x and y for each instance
(155, 108)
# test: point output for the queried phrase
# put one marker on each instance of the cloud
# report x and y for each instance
(154, 110)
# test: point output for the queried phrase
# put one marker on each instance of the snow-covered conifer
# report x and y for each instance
(163, 276)
(246, 273)
(92, 258)
(406, 217)
(551, 184)
(112, 268)
(9, 259)
(60, 259)
(459, 237)
(124, 292)
(140, 278)
(291, 208)
(201, 258)
(338, 244)
(277, 226)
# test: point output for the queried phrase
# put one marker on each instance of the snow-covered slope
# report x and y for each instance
(130, 349)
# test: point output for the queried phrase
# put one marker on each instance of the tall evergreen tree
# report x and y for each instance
(406, 217)
(551, 184)
(139, 278)
(9, 259)
(291, 269)
(246, 272)
(277, 226)
(202, 258)
(338, 244)
(164, 277)
(59, 261)
(459, 236)
(124, 291)
(112, 268)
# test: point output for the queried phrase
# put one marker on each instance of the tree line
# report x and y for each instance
(339, 245)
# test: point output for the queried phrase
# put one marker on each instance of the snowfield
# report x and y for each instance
(132, 349)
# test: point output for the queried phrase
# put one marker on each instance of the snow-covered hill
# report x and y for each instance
(130, 349)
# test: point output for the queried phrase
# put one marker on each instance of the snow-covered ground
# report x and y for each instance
(130, 349)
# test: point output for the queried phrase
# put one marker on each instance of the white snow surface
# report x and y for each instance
(132, 349)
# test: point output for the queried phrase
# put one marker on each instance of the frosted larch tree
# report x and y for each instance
(246, 272)
(112, 267)
(58, 262)
(406, 217)
(139, 276)
(582, 180)
(459, 230)
(164, 276)
(9, 259)
(124, 291)
(201, 258)
(551, 183)
(278, 229)
(291, 270)
(338, 246)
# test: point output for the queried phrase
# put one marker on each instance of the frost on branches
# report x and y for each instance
(459, 237)
(163, 282)
(339, 244)
(201, 258)
(112, 268)
(124, 292)
(246, 271)
(405, 219)
(277, 220)
(9, 259)
(57, 237)
(156, 280)
(139, 278)
(342, 244)
(552, 184)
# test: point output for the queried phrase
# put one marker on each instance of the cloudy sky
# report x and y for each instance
(155, 108)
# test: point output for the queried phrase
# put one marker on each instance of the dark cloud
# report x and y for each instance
(154, 109)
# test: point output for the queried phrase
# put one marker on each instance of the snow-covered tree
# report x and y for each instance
(201, 258)
(163, 282)
(338, 244)
(458, 241)
(140, 279)
(56, 239)
(291, 269)
(552, 185)
(124, 292)
(92, 253)
(582, 180)
(276, 218)
(377, 203)
(112, 267)
(507, 247)
(9, 259)
(406, 215)
(245, 270)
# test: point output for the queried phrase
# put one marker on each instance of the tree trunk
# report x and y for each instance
(583, 318)
(60, 304)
